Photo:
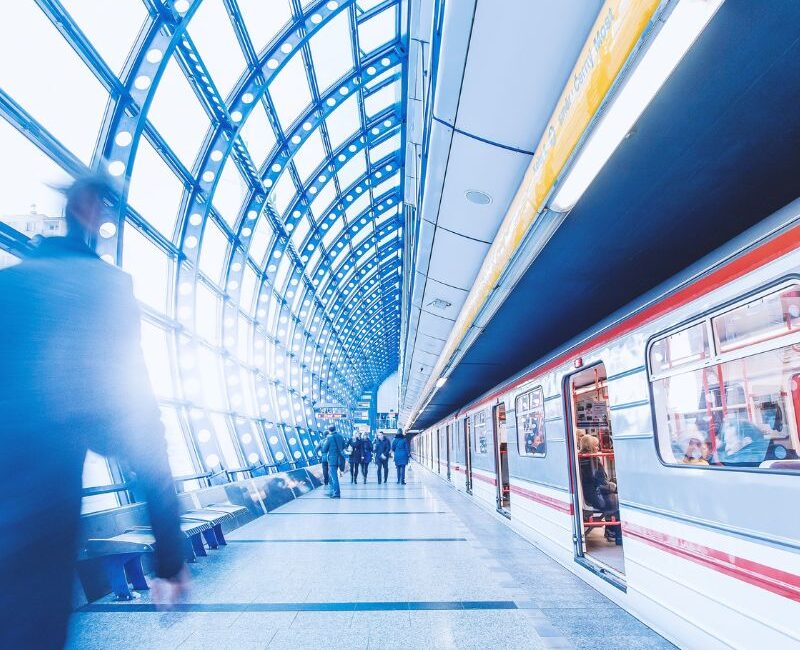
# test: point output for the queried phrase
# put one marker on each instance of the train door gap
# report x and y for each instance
(501, 459)
(438, 453)
(598, 530)
(468, 455)
(447, 440)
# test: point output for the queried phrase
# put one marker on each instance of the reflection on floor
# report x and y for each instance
(598, 548)
(412, 566)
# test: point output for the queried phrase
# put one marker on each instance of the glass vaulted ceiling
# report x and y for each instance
(259, 146)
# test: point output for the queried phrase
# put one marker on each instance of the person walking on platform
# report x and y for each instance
(382, 449)
(74, 379)
(333, 450)
(356, 454)
(366, 454)
(401, 455)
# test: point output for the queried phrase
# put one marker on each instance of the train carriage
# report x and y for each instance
(687, 403)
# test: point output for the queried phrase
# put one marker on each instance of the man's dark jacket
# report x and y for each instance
(72, 379)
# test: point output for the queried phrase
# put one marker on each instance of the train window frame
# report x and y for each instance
(528, 393)
(474, 430)
(702, 362)
(765, 343)
(718, 358)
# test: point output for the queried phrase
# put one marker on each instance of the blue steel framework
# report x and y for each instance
(323, 321)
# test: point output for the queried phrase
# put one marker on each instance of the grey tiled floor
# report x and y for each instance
(467, 555)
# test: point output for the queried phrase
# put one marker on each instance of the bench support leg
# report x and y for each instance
(133, 569)
(220, 537)
(197, 545)
(211, 538)
(115, 568)
(188, 550)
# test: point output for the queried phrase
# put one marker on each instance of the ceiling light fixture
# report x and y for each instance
(679, 32)
(438, 303)
(441, 382)
(477, 197)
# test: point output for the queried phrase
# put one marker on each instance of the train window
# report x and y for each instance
(757, 321)
(689, 346)
(530, 423)
(479, 431)
(740, 413)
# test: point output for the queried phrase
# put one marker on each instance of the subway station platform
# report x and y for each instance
(386, 566)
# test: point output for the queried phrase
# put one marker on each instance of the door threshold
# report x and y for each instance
(605, 572)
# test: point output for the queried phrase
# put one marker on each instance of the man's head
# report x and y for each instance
(380, 435)
(331, 430)
(87, 199)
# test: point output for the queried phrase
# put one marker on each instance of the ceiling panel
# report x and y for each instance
(434, 325)
(455, 260)
(520, 57)
(437, 294)
(475, 165)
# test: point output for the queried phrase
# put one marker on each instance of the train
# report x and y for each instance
(682, 409)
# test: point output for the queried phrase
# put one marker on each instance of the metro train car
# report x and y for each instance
(656, 455)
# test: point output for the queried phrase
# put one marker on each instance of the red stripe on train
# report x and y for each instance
(556, 504)
(779, 582)
(485, 479)
(760, 575)
(551, 502)
(737, 268)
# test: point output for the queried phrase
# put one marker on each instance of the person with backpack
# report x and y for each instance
(401, 455)
(366, 454)
(382, 449)
(333, 450)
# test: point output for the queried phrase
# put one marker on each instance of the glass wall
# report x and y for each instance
(263, 240)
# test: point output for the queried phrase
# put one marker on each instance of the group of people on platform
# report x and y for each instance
(360, 451)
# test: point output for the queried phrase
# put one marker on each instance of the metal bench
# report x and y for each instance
(121, 555)
(122, 559)
(215, 518)
(193, 544)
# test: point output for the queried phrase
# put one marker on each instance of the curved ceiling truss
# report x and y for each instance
(294, 295)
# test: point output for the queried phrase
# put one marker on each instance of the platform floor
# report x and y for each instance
(415, 566)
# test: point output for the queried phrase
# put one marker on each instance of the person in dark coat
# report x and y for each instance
(598, 491)
(356, 453)
(333, 450)
(401, 456)
(73, 379)
(366, 454)
(381, 450)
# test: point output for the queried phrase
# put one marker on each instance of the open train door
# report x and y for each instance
(468, 455)
(501, 459)
(590, 442)
(438, 453)
(448, 441)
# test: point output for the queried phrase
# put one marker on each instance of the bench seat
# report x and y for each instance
(122, 558)
(214, 537)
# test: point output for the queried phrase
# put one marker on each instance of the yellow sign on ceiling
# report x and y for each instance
(618, 28)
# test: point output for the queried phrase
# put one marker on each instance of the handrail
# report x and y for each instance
(105, 489)
(128, 485)
(194, 477)
(254, 468)
(242, 470)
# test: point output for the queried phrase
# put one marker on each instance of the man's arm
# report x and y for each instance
(138, 437)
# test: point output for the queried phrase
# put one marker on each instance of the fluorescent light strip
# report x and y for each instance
(682, 27)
